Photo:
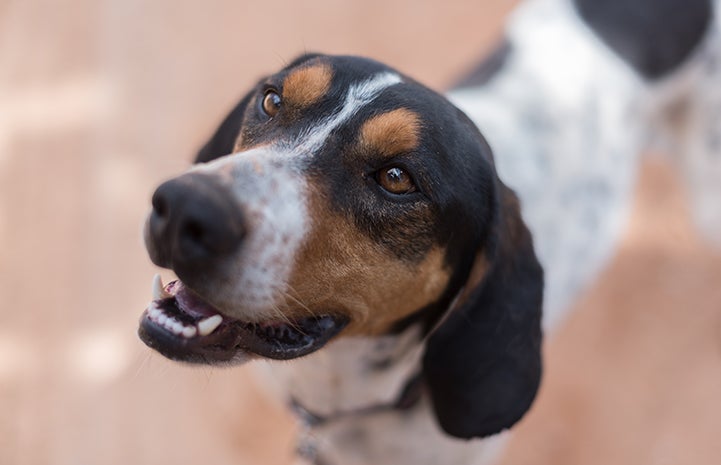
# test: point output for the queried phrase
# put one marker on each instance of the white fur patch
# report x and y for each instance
(342, 377)
(408, 438)
(357, 96)
(272, 191)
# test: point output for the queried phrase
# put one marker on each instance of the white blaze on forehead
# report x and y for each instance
(357, 96)
(271, 190)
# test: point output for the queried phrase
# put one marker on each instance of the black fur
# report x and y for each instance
(483, 364)
(223, 141)
(488, 68)
(653, 36)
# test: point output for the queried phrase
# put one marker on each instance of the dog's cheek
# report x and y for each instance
(340, 269)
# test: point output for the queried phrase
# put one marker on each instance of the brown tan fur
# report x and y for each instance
(391, 133)
(512, 229)
(305, 86)
(301, 88)
(478, 273)
(342, 270)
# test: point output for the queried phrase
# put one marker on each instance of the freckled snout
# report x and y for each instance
(195, 222)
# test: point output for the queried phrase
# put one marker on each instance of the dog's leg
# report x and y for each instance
(701, 150)
(685, 114)
(302, 461)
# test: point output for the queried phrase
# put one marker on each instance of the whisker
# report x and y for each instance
(143, 359)
(287, 320)
(282, 315)
(297, 300)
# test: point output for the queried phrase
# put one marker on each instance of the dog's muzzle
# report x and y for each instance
(198, 228)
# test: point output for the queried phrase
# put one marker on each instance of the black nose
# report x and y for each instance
(195, 220)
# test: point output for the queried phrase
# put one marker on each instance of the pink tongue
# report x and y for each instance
(189, 302)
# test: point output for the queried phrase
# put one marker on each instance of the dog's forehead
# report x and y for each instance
(344, 86)
(330, 73)
(305, 85)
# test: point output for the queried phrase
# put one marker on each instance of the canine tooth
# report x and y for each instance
(189, 331)
(209, 324)
(153, 313)
(159, 292)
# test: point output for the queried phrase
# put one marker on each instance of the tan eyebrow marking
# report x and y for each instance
(391, 133)
(307, 85)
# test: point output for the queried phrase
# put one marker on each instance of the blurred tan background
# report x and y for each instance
(101, 100)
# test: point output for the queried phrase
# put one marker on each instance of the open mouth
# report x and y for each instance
(182, 326)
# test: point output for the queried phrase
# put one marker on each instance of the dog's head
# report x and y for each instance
(342, 198)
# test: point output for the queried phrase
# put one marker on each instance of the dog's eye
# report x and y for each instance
(395, 180)
(271, 103)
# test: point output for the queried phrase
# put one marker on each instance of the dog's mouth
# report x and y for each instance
(182, 326)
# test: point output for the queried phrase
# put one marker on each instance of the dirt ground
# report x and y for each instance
(100, 100)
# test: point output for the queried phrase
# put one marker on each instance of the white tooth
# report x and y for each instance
(177, 327)
(209, 324)
(162, 318)
(189, 331)
(158, 289)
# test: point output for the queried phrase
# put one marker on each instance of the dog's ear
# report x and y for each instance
(482, 364)
(223, 141)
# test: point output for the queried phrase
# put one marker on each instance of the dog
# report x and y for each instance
(348, 218)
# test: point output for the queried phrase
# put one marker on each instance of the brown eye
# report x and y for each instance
(271, 103)
(396, 181)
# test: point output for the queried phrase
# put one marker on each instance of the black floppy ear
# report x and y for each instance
(223, 141)
(482, 365)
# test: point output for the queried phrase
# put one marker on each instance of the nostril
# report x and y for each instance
(202, 236)
(194, 231)
(160, 205)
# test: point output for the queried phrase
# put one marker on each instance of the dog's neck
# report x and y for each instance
(354, 374)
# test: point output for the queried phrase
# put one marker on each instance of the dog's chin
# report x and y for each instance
(182, 326)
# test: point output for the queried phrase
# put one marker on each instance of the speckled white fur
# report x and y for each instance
(269, 185)
(338, 367)
(568, 129)
(342, 379)
(401, 438)
(565, 133)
